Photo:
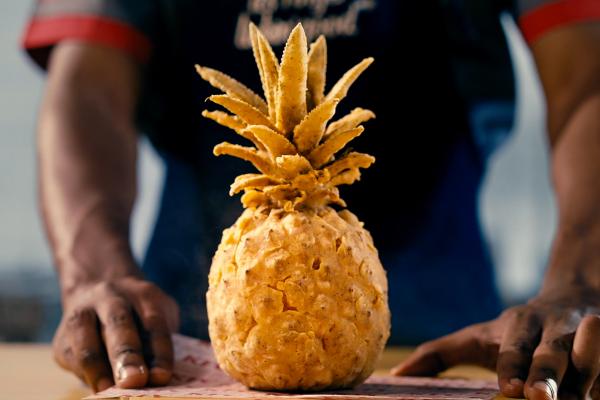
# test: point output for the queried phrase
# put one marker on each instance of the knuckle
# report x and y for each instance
(88, 358)
(485, 343)
(591, 322)
(62, 354)
(524, 347)
(516, 312)
(560, 344)
(66, 352)
(119, 317)
(569, 320)
(149, 290)
(63, 350)
(104, 289)
(481, 335)
(127, 350)
(79, 317)
(154, 322)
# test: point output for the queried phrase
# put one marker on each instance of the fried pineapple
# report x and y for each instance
(297, 296)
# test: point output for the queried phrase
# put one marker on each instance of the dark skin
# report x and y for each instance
(116, 326)
(551, 342)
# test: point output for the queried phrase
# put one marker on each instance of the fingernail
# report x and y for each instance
(103, 384)
(128, 371)
(515, 382)
(398, 369)
(159, 375)
(513, 387)
(548, 387)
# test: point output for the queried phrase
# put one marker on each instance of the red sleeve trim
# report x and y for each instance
(539, 21)
(44, 32)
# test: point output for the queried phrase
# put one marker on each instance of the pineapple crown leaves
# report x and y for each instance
(294, 141)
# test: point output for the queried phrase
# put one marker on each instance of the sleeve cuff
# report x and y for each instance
(556, 14)
(44, 32)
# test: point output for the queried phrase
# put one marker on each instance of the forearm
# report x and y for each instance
(576, 175)
(86, 194)
(87, 157)
(568, 61)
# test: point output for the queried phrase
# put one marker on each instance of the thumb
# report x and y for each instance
(425, 361)
(438, 355)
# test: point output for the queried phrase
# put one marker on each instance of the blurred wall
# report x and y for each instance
(21, 239)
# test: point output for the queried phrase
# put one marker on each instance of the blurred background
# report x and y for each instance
(516, 206)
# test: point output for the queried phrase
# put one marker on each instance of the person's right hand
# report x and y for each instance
(117, 331)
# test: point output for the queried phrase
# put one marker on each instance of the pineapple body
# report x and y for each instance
(297, 300)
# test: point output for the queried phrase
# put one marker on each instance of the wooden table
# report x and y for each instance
(28, 372)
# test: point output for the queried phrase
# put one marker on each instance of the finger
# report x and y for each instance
(464, 346)
(88, 357)
(123, 344)
(151, 295)
(550, 361)
(595, 390)
(585, 359)
(172, 312)
(62, 350)
(521, 336)
(159, 317)
(424, 361)
(159, 347)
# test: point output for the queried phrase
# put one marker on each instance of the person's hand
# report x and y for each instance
(545, 349)
(117, 331)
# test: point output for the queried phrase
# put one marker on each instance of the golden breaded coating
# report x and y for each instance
(297, 296)
(291, 96)
(317, 70)
(298, 300)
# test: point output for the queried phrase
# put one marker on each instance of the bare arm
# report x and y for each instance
(115, 326)
(569, 65)
(87, 161)
(550, 345)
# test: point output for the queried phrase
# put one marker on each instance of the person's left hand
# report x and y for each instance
(549, 346)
